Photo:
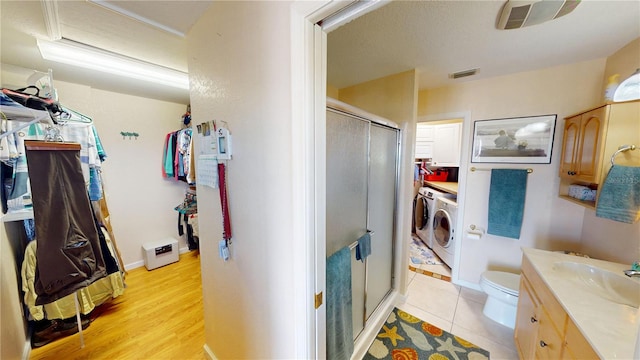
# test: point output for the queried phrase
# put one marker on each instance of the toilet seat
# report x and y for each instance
(506, 282)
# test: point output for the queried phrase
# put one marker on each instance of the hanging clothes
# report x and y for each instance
(16, 189)
(178, 156)
(69, 251)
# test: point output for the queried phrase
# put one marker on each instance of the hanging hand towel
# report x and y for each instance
(363, 249)
(339, 303)
(506, 202)
(619, 198)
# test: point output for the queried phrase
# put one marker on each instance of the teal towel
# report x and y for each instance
(506, 202)
(363, 249)
(339, 306)
(619, 197)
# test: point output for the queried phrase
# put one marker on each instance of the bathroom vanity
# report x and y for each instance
(564, 311)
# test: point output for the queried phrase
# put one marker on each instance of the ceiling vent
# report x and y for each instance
(516, 14)
(464, 73)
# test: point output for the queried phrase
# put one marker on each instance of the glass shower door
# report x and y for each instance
(347, 173)
(382, 198)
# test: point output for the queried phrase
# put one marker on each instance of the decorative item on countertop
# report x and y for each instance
(573, 253)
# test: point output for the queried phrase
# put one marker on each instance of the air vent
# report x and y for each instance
(464, 73)
(517, 14)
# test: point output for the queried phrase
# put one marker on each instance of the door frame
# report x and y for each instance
(462, 184)
(308, 161)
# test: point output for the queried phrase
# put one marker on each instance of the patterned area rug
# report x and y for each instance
(419, 253)
(405, 337)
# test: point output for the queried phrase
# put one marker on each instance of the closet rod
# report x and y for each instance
(529, 170)
(50, 145)
(6, 115)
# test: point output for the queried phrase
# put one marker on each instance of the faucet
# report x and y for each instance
(634, 271)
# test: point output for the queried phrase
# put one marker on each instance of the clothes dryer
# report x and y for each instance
(424, 206)
(444, 225)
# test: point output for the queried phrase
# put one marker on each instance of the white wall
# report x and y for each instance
(239, 65)
(549, 222)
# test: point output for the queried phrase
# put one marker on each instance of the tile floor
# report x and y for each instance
(457, 310)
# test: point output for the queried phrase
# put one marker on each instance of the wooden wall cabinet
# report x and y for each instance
(543, 329)
(589, 140)
(582, 142)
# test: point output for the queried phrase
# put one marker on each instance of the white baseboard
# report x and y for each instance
(140, 263)
(468, 284)
(26, 353)
(209, 353)
(134, 265)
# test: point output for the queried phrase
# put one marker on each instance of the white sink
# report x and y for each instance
(604, 283)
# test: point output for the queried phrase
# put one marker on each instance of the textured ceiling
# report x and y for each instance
(442, 37)
(435, 37)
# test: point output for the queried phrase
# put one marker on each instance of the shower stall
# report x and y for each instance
(362, 182)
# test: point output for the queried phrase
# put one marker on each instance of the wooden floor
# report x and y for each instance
(159, 316)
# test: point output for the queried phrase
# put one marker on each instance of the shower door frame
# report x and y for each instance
(372, 120)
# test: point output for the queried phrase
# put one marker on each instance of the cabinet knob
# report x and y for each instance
(542, 343)
(533, 319)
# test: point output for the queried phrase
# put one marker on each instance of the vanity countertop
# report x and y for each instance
(450, 187)
(609, 327)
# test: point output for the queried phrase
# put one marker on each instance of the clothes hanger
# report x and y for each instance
(68, 115)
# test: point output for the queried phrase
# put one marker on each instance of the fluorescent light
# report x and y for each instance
(88, 57)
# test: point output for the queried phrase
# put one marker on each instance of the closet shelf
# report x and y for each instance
(18, 215)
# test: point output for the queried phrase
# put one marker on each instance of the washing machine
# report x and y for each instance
(424, 206)
(444, 224)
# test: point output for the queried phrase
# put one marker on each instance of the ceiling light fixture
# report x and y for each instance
(89, 57)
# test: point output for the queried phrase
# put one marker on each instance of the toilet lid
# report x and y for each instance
(507, 282)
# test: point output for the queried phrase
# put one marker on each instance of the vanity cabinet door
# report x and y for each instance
(549, 345)
(526, 330)
(576, 346)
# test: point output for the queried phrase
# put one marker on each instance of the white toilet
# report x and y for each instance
(502, 296)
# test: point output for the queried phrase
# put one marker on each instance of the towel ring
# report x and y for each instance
(622, 148)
